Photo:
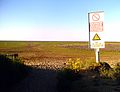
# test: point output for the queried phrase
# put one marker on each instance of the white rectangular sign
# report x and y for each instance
(96, 29)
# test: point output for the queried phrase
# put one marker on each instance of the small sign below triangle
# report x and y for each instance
(96, 37)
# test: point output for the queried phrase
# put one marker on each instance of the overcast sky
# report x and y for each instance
(56, 20)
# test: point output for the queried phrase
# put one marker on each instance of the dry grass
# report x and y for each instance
(60, 51)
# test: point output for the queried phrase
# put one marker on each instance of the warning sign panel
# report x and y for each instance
(96, 37)
(97, 40)
(96, 21)
(96, 29)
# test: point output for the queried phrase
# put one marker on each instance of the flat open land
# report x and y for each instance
(53, 55)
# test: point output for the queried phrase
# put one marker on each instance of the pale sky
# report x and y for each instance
(56, 20)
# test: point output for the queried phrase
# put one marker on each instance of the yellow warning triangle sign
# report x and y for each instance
(96, 37)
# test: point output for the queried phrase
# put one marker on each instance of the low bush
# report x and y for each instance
(107, 72)
(68, 74)
(97, 67)
(70, 77)
(77, 64)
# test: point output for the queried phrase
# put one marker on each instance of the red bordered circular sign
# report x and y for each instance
(95, 17)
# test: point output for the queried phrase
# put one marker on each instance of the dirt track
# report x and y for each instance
(38, 81)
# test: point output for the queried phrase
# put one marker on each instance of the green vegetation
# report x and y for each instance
(77, 64)
(62, 49)
(70, 73)
(11, 44)
(110, 73)
(71, 77)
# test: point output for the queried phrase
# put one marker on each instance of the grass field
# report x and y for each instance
(34, 53)
(48, 56)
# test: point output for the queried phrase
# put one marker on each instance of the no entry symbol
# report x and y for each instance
(95, 17)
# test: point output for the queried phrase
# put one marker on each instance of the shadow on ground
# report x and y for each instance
(38, 80)
(17, 77)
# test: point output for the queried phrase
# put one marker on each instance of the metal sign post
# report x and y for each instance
(96, 32)
(97, 55)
